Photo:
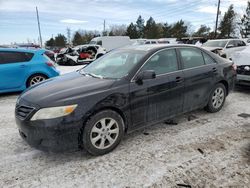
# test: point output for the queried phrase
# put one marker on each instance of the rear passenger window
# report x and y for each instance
(163, 62)
(15, 57)
(191, 58)
(208, 59)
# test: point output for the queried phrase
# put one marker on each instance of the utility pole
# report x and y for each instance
(104, 27)
(39, 29)
(217, 17)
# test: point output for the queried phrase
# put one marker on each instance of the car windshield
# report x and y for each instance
(215, 43)
(113, 65)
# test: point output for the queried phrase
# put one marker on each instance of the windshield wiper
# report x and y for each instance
(91, 74)
(94, 75)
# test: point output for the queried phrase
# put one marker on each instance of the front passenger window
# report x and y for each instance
(191, 58)
(163, 62)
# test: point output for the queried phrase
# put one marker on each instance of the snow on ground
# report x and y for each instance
(208, 150)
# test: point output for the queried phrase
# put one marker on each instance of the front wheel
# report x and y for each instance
(103, 132)
(216, 99)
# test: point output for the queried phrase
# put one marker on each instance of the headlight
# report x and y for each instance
(53, 112)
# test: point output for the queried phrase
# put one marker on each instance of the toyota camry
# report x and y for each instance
(125, 90)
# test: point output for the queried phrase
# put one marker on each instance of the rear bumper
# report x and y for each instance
(50, 135)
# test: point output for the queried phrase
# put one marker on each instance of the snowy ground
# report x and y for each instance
(202, 150)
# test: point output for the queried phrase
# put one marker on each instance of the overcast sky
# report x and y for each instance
(18, 17)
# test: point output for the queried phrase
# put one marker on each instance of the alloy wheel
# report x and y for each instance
(36, 79)
(218, 97)
(104, 133)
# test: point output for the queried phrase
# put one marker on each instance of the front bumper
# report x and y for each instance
(54, 135)
(243, 79)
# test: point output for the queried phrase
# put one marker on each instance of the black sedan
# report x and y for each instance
(124, 90)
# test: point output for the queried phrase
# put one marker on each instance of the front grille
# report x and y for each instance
(241, 70)
(23, 111)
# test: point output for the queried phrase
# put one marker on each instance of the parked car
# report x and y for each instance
(242, 60)
(135, 42)
(123, 91)
(151, 41)
(50, 54)
(228, 46)
(80, 54)
(163, 41)
(111, 42)
(22, 68)
(28, 46)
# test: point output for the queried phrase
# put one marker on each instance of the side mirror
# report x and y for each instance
(145, 75)
(230, 46)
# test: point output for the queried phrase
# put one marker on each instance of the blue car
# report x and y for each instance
(22, 68)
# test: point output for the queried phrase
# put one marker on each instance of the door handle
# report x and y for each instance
(22, 66)
(178, 79)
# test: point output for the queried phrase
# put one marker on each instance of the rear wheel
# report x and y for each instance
(217, 98)
(35, 79)
(103, 132)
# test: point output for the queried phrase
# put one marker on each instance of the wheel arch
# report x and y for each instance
(113, 108)
(33, 74)
(225, 83)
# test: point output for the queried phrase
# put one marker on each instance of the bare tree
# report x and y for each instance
(118, 30)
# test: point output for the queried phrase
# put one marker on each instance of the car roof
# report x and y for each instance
(23, 50)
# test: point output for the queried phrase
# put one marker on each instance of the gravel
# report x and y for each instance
(198, 150)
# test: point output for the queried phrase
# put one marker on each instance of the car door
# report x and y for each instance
(163, 96)
(13, 67)
(199, 77)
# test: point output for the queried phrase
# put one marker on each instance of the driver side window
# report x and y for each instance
(163, 62)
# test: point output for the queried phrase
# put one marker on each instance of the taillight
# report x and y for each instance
(50, 64)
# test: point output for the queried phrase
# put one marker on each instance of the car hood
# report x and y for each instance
(212, 48)
(62, 90)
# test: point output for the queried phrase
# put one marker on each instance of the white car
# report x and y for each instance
(80, 54)
(228, 46)
(242, 60)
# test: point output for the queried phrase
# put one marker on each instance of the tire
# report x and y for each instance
(72, 63)
(35, 79)
(99, 55)
(216, 99)
(99, 136)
